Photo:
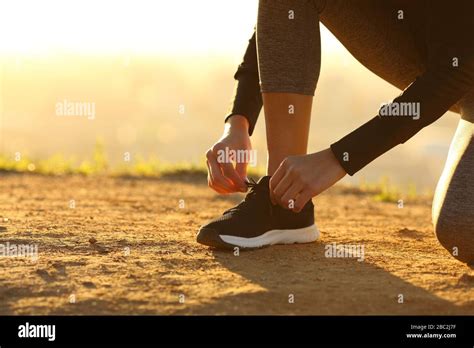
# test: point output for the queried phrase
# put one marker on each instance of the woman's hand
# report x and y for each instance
(222, 176)
(299, 178)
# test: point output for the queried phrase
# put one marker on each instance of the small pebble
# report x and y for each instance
(89, 285)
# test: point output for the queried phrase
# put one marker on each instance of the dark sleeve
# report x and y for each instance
(443, 83)
(436, 91)
(247, 97)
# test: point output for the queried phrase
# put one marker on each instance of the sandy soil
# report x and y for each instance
(127, 247)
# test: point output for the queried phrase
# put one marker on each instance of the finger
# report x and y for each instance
(274, 181)
(210, 181)
(289, 197)
(281, 188)
(218, 189)
(301, 200)
(217, 178)
(231, 174)
(241, 169)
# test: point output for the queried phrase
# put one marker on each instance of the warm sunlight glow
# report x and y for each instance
(124, 25)
(133, 26)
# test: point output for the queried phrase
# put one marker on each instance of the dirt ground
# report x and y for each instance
(127, 246)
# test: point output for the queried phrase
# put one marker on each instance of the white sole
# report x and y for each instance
(301, 235)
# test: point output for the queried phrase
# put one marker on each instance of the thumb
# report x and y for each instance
(241, 168)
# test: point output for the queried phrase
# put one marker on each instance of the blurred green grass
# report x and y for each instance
(153, 167)
(385, 191)
(98, 164)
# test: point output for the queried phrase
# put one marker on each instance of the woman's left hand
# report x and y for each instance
(299, 178)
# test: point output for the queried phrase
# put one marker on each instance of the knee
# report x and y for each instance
(455, 235)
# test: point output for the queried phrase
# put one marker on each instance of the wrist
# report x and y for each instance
(339, 169)
(237, 123)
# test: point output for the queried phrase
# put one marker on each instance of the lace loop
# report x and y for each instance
(256, 190)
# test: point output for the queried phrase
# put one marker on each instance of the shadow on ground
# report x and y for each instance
(338, 286)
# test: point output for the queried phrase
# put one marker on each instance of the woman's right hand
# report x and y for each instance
(222, 176)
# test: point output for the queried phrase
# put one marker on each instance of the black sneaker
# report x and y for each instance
(256, 222)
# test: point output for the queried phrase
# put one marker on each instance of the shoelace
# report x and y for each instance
(251, 183)
(254, 189)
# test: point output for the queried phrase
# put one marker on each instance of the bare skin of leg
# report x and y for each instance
(287, 120)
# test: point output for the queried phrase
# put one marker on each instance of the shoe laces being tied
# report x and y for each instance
(251, 199)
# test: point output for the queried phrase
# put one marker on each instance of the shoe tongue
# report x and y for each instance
(264, 181)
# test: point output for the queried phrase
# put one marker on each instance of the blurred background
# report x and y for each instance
(160, 77)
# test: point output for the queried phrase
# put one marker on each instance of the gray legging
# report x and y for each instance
(289, 61)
